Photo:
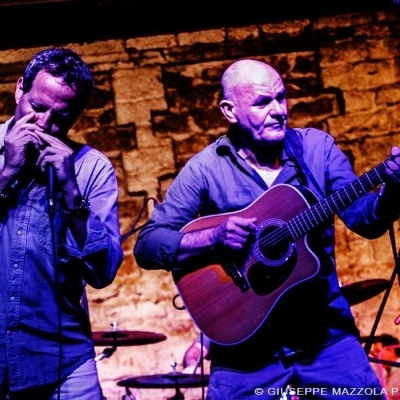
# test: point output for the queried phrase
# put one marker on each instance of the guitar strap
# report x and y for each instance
(294, 149)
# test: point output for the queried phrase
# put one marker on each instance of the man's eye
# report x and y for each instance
(38, 109)
(281, 97)
(263, 102)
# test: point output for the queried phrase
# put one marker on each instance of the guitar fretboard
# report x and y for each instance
(340, 200)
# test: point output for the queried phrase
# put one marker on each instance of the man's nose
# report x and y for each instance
(279, 107)
(43, 120)
(279, 112)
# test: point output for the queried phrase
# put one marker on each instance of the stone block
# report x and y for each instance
(137, 92)
(207, 36)
(144, 166)
(362, 75)
(151, 42)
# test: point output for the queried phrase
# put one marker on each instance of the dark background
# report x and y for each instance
(26, 23)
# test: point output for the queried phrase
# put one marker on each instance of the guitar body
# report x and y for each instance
(229, 300)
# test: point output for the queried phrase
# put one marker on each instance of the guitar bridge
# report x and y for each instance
(237, 277)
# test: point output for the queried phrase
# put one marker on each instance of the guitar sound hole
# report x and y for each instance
(273, 247)
(274, 252)
(264, 279)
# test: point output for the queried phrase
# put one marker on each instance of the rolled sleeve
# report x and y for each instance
(102, 254)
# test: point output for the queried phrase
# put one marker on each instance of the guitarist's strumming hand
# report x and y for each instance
(234, 233)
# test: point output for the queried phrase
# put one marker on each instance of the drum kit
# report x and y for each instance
(359, 292)
(175, 380)
(354, 293)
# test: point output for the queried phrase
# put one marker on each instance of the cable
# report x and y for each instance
(134, 229)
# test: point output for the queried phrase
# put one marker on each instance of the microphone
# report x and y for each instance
(51, 184)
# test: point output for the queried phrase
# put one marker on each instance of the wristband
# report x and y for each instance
(82, 211)
(4, 197)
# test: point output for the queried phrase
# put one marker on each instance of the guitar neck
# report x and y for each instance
(338, 201)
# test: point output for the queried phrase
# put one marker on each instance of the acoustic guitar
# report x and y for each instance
(230, 300)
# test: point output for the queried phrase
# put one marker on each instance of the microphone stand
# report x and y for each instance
(50, 190)
(51, 181)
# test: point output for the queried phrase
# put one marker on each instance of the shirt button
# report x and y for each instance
(12, 298)
(19, 232)
(15, 265)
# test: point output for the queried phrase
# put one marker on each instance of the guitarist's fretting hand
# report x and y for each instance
(387, 204)
(393, 165)
(234, 233)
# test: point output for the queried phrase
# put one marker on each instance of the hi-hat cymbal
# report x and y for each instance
(360, 291)
(171, 380)
(126, 338)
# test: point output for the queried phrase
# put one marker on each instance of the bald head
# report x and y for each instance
(254, 102)
(244, 73)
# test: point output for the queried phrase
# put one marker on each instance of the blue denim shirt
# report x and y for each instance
(41, 315)
(217, 180)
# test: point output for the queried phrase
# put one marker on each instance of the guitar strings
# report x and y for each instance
(298, 226)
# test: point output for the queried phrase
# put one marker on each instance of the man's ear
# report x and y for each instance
(228, 109)
(18, 90)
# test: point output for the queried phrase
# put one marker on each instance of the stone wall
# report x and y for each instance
(157, 104)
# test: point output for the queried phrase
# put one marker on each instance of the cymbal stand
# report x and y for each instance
(129, 395)
(178, 394)
(109, 351)
(106, 353)
(396, 272)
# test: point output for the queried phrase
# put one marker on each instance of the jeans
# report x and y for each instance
(82, 384)
(341, 371)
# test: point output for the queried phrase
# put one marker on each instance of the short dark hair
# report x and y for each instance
(65, 63)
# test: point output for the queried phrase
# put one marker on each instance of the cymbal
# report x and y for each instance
(360, 291)
(126, 338)
(171, 380)
(373, 339)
